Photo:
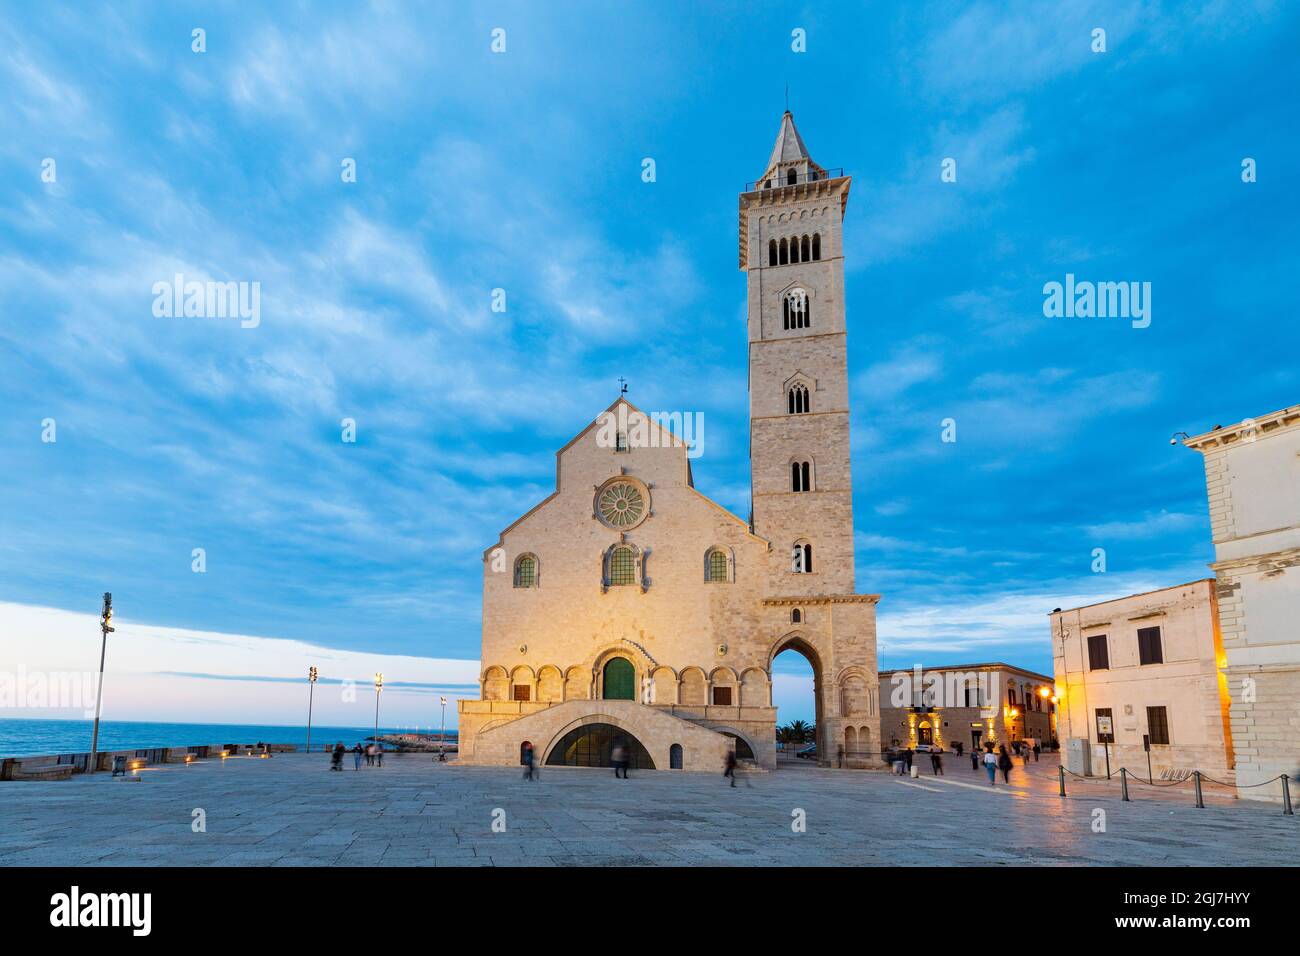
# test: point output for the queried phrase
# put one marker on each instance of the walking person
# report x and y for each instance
(618, 756)
(379, 755)
(1026, 753)
(907, 758)
(991, 765)
(370, 755)
(336, 757)
(1004, 763)
(528, 760)
(936, 763)
(356, 756)
(730, 770)
(1037, 750)
(975, 759)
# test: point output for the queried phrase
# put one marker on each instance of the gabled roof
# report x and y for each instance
(595, 423)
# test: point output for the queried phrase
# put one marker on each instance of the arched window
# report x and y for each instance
(801, 558)
(816, 246)
(796, 616)
(791, 177)
(805, 249)
(795, 310)
(797, 401)
(526, 571)
(1011, 695)
(717, 566)
(675, 757)
(794, 249)
(785, 252)
(622, 567)
(771, 252)
(801, 476)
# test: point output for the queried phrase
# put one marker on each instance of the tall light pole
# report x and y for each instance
(311, 694)
(379, 685)
(105, 628)
(442, 734)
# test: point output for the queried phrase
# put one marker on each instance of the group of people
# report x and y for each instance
(373, 752)
(1001, 761)
(992, 761)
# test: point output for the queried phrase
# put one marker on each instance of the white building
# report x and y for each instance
(1252, 472)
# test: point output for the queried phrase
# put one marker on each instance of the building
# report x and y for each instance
(629, 605)
(1252, 474)
(1144, 670)
(973, 705)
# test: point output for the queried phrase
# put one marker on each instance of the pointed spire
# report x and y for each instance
(789, 152)
(789, 146)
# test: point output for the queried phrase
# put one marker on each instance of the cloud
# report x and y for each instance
(1149, 526)
(155, 673)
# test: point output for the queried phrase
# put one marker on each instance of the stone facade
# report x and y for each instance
(1098, 654)
(970, 704)
(628, 582)
(1252, 473)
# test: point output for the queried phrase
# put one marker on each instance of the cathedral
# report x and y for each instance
(627, 608)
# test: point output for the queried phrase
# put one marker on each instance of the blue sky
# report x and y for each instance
(522, 171)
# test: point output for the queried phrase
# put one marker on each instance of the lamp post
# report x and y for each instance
(311, 693)
(105, 628)
(379, 686)
(442, 734)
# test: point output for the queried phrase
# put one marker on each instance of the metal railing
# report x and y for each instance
(774, 182)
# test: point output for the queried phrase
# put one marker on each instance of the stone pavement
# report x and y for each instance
(292, 811)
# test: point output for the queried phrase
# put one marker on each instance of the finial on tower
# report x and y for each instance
(622, 381)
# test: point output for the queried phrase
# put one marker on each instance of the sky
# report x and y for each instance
(521, 171)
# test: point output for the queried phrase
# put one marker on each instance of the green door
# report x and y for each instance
(620, 680)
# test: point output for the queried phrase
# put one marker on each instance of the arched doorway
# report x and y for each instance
(618, 680)
(924, 733)
(743, 750)
(796, 669)
(591, 744)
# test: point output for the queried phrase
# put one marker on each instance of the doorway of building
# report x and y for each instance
(591, 746)
(796, 677)
(975, 737)
(924, 733)
(619, 680)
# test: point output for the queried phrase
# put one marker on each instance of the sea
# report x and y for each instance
(24, 737)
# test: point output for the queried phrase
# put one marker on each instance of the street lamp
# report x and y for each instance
(105, 628)
(311, 693)
(442, 734)
(379, 686)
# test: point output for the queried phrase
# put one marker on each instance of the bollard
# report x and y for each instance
(1061, 773)
(1286, 796)
(1123, 785)
(1200, 800)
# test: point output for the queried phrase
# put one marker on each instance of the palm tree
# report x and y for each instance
(801, 731)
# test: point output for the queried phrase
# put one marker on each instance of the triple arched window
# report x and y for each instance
(794, 249)
(801, 476)
(797, 400)
(796, 310)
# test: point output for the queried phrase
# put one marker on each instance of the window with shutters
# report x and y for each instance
(1098, 653)
(1149, 649)
(1158, 725)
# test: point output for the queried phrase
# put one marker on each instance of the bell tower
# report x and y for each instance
(791, 227)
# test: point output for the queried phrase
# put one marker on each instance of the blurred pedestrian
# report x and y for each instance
(1004, 763)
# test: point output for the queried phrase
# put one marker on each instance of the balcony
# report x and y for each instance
(799, 179)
